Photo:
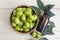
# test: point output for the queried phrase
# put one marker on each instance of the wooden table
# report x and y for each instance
(6, 7)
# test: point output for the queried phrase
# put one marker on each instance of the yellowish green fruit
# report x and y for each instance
(27, 24)
(17, 28)
(16, 20)
(23, 17)
(34, 34)
(29, 9)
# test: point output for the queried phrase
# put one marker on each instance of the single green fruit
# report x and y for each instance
(31, 25)
(13, 24)
(35, 17)
(21, 29)
(24, 9)
(24, 27)
(16, 20)
(28, 13)
(20, 23)
(31, 17)
(19, 13)
(14, 12)
(26, 30)
(17, 28)
(29, 20)
(34, 34)
(19, 9)
(29, 9)
(38, 35)
(23, 17)
(27, 24)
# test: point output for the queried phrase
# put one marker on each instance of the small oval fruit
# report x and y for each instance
(20, 23)
(14, 12)
(19, 13)
(21, 29)
(19, 9)
(38, 35)
(26, 30)
(35, 17)
(29, 20)
(16, 20)
(31, 25)
(24, 27)
(27, 24)
(29, 9)
(23, 9)
(17, 28)
(27, 13)
(13, 24)
(33, 34)
(23, 17)
(31, 17)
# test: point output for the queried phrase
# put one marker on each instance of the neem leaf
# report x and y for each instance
(48, 7)
(50, 14)
(37, 10)
(43, 38)
(51, 24)
(40, 4)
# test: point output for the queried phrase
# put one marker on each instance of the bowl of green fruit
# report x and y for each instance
(24, 19)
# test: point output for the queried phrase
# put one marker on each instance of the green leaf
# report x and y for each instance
(40, 4)
(49, 28)
(50, 6)
(37, 10)
(50, 14)
(51, 24)
(43, 38)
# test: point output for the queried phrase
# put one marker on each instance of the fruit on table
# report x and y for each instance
(33, 34)
(23, 19)
(36, 34)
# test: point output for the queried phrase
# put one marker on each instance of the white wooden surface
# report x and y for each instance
(6, 6)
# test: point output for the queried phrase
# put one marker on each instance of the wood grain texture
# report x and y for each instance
(6, 7)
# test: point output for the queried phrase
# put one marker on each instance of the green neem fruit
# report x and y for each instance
(14, 12)
(26, 30)
(19, 13)
(29, 20)
(24, 9)
(29, 9)
(35, 17)
(16, 20)
(27, 24)
(34, 34)
(31, 17)
(20, 23)
(27, 13)
(31, 25)
(38, 35)
(21, 29)
(19, 9)
(23, 17)
(17, 28)
(13, 24)
(24, 27)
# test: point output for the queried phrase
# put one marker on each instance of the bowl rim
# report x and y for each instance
(34, 26)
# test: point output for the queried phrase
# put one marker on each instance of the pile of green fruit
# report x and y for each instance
(36, 34)
(23, 19)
